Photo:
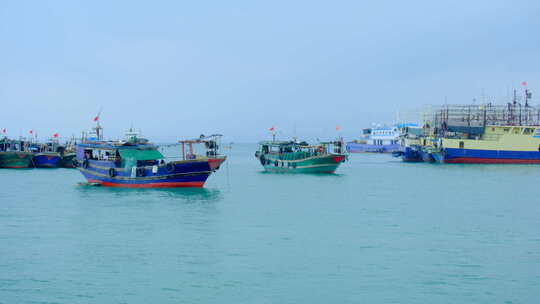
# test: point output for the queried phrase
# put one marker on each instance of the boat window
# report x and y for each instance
(88, 153)
(517, 130)
(506, 130)
(461, 145)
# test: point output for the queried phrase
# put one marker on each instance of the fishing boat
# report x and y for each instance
(49, 154)
(300, 157)
(410, 140)
(68, 155)
(67, 160)
(378, 140)
(484, 133)
(494, 145)
(14, 154)
(137, 163)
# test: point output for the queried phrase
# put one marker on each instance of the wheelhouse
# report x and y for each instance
(122, 156)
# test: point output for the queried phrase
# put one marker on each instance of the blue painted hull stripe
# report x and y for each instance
(450, 153)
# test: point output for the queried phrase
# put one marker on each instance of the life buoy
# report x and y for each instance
(85, 164)
(321, 149)
(170, 167)
(140, 171)
(112, 172)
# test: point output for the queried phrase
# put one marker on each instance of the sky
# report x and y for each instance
(177, 69)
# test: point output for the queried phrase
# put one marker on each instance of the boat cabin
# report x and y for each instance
(211, 144)
(10, 145)
(121, 155)
(297, 150)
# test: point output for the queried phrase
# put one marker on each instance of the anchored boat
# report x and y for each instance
(300, 157)
(482, 134)
(378, 140)
(14, 154)
(495, 145)
(136, 163)
(410, 142)
(48, 154)
(68, 155)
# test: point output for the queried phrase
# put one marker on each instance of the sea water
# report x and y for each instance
(378, 231)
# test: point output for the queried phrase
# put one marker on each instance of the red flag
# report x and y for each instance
(31, 131)
(55, 135)
(272, 128)
(338, 128)
(524, 83)
(96, 118)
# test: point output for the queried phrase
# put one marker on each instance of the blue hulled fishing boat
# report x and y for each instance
(136, 163)
(48, 154)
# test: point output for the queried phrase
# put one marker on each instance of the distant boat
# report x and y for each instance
(300, 157)
(136, 163)
(477, 134)
(14, 154)
(67, 160)
(411, 150)
(68, 155)
(49, 154)
(378, 140)
(492, 145)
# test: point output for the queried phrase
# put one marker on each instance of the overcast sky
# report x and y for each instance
(181, 68)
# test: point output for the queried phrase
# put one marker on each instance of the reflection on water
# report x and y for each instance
(185, 194)
(300, 173)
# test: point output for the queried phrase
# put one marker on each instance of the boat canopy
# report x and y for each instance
(283, 143)
(140, 154)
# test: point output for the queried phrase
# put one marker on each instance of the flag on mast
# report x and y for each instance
(96, 119)
(524, 83)
(338, 128)
(272, 129)
(55, 135)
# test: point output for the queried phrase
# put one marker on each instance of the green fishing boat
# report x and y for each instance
(14, 154)
(300, 157)
(67, 160)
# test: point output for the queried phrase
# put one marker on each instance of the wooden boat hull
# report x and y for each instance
(15, 160)
(327, 163)
(46, 160)
(411, 155)
(66, 161)
(192, 173)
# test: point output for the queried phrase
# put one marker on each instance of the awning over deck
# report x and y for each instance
(140, 154)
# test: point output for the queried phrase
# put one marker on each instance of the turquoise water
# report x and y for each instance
(380, 231)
